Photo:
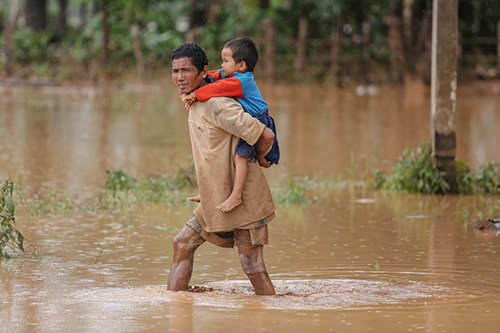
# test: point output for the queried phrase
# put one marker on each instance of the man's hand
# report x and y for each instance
(263, 146)
(265, 163)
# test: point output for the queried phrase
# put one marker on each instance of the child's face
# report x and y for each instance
(229, 66)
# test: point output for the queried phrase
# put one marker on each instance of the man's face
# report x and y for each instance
(186, 76)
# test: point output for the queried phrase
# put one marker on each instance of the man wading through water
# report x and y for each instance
(215, 126)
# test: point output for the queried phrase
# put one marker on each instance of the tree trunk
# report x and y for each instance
(93, 9)
(396, 41)
(105, 33)
(498, 46)
(417, 36)
(62, 27)
(366, 40)
(36, 14)
(197, 19)
(365, 61)
(301, 48)
(444, 87)
(136, 35)
(9, 65)
(335, 51)
(9, 26)
(269, 35)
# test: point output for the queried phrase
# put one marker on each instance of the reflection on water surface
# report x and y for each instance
(354, 260)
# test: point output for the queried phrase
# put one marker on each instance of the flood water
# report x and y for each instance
(354, 260)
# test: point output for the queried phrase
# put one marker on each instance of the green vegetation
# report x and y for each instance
(486, 180)
(77, 39)
(414, 171)
(101, 249)
(293, 192)
(11, 238)
(120, 191)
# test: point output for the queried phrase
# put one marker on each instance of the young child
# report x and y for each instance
(235, 79)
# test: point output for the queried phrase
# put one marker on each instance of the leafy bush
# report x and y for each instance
(30, 45)
(414, 171)
(485, 180)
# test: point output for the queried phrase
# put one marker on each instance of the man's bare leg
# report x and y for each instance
(185, 243)
(240, 175)
(252, 262)
(263, 146)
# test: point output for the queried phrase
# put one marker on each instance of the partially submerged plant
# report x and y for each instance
(294, 191)
(118, 180)
(101, 249)
(414, 171)
(10, 237)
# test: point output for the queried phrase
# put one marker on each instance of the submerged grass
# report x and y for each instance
(101, 249)
(11, 239)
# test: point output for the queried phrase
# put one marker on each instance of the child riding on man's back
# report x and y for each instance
(235, 79)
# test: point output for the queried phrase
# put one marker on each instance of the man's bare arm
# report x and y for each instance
(263, 146)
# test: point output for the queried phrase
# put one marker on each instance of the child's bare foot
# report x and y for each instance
(195, 199)
(231, 203)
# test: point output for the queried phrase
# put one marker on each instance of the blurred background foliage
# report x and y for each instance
(336, 40)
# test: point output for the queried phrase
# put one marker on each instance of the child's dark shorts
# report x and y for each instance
(245, 150)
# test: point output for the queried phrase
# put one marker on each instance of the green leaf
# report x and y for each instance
(9, 204)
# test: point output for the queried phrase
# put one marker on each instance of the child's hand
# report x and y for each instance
(188, 99)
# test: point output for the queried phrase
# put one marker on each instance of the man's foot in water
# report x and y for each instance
(231, 203)
(195, 199)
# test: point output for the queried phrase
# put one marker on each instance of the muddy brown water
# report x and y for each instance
(355, 260)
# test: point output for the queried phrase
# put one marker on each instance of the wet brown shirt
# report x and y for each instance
(215, 127)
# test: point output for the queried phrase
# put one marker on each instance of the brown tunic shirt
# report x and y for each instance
(215, 127)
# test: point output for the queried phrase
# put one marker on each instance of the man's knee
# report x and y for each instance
(251, 260)
(186, 242)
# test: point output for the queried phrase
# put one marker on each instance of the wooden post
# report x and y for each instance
(444, 86)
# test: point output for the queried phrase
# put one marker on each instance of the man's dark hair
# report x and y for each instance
(194, 53)
(244, 49)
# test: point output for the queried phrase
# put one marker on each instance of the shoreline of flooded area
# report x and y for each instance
(352, 259)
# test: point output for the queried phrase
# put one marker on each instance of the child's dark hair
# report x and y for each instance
(194, 53)
(244, 49)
